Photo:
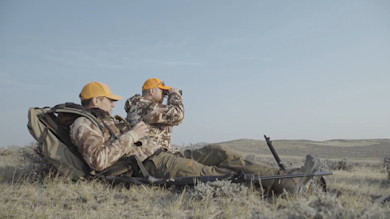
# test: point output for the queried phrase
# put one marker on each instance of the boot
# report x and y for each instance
(301, 184)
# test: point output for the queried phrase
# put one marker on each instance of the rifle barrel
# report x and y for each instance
(285, 176)
(276, 156)
(191, 181)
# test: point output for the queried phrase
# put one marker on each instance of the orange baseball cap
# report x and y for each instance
(97, 89)
(154, 82)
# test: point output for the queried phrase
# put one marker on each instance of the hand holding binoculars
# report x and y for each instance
(166, 92)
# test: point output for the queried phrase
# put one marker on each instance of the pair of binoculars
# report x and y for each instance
(165, 92)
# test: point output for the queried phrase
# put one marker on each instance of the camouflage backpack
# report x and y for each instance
(50, 127)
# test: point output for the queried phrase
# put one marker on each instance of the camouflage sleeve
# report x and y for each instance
(91, 144)
(171, 114)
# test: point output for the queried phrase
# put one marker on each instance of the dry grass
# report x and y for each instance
(358, 189)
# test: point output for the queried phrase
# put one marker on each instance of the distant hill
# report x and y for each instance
(338, 148)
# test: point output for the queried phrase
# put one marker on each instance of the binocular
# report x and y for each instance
(165, 92)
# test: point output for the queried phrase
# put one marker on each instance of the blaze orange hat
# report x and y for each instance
(154, 82)
(97, 89)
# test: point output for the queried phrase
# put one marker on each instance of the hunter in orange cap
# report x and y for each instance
(154, 82)
(97, 89)
(150, 108)
(154, 89)
(101, 149)
(98, 95)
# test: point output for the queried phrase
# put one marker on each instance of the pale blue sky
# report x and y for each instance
(313, 70)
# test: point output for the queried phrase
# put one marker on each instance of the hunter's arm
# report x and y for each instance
(171, 114)
(93, 146)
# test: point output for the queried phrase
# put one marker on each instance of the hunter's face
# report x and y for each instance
(106, 104)
(158, 95)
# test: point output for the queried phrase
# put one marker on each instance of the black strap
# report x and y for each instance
(141, 166)
(110, 130)
(130, 166)
(76, 109)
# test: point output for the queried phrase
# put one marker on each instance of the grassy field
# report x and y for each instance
(358, 188)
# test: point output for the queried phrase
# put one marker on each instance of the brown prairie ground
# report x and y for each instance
(358, 188)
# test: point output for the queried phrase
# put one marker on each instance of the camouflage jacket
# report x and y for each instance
(159, 117)
(101, 150)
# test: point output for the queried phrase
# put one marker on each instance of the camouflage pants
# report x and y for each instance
(212, 160)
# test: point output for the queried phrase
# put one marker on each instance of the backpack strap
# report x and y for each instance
(113, 135)
(43, 135)
(141, 166)
(72, 108)
(130, 166)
